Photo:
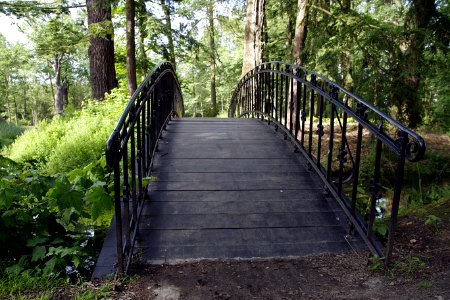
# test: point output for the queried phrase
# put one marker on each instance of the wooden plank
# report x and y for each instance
(209, 220)
(264, 165)
(174, 254)
(250, 236)
(233, 207)
(304, 183)
(300, 176)
(307, 195)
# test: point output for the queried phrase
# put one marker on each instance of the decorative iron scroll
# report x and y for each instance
(306, 105)
(131, 147)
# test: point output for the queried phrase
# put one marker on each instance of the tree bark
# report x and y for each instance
(58, 97)
(408, 83)
(254, 35)
(141, 18)
(7, 98)
(212, 57)
(168, 20)
(300, 31)
(101, 49)
(131, 46)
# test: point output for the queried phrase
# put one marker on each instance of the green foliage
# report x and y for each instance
(425, 284)
(18, 286)
(376, 263)
(8, 133)
(410, 267)
(70, 141)
(432, 220)
(50, 217)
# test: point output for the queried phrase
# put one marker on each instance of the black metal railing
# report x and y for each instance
(130, 150)
(344, 139)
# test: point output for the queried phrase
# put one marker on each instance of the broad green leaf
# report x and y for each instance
(38, 253)
(36, 241)
(14, 269)
(100, 202)
(50, 266)
(6, 198)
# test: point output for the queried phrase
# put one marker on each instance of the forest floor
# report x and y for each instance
(420, 269)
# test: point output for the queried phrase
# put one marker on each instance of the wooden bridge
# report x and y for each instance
(241, 188)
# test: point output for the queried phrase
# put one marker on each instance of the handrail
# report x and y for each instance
(289, 95)
(131, 147)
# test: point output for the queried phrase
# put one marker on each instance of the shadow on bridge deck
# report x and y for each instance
(232, 188)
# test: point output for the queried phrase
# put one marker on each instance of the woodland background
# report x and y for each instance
(63, 91)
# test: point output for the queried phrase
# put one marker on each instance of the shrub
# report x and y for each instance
(70, 141)
(8, 133)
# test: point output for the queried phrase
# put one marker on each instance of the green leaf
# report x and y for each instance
(100, 201)
(14, 269)
(6, 198)
(50, 266)
(36, 241)
(38, 253)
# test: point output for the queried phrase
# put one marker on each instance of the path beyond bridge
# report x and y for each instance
(231, 189)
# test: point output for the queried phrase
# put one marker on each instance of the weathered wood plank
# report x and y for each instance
(155, 208)
(312, 195)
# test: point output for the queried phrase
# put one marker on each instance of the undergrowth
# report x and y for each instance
(56, 196)
(69, 141)
(8, 133)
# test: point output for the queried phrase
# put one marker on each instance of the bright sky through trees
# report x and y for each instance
(9, 29)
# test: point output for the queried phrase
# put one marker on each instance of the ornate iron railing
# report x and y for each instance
(350, 142)
(130, 150)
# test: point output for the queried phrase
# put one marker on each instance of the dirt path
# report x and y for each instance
(421, 270)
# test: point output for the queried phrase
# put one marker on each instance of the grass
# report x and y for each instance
(27, 286)
(8, 133)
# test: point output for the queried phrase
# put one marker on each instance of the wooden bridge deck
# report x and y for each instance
(233, 188)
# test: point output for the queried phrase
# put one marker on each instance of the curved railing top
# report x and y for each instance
(414, 150)
(152, 78)
(131, 147)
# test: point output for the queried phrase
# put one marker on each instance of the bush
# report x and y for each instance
(8, 133)
(70, 141)
(51, 218)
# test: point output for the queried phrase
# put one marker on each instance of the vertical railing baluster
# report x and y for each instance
(403, 142)
(342, 151)
(144, 139)
(334, 95)
(276, 92)
(117, 203)
(304, 100)
(125, 199)
(320, 131)
(286, 98)
(360, 112)
(133, 173)
(375, 189)
(297, 102)
(281, 97)
(311, 114)
(291, 104)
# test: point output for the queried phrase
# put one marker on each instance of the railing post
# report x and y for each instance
(117, 204)
(402, 142)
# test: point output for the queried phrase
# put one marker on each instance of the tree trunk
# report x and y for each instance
(7, 98)
(300, 31)
(254, 35)
(169, 35)
(141, 18)
(212, 57)
(24, 97)
(407, 91)
(131, 46)
(16, 111)
(58, 98)
(101, 48)
(347, 69)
